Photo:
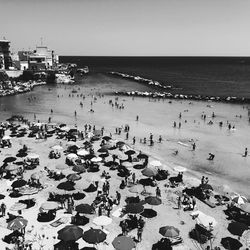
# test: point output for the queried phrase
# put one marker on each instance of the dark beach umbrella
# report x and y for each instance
(73, 177)
(123, 243)
(78, 196)
(102, 150)
(94, 236)
(91, 188)
(73, 149)
(84, 209)
(79, 168)
(21, 154)
(67, 185)
(120, 144)
(111, 163)
(142, 156)
(2, 196)
(169, 231)
(138, 166)
(237, 228)
(134, 208)
(153, 200)
(89, 157)
(70, 233)
(149, 213)
(106, 138)
(206, 187)
(150, 172)
(17, 224)
(19, 183)
(230, 243)
(103, 155)
(9, 159)
(146, 182)
(130, 152)
(19, 163)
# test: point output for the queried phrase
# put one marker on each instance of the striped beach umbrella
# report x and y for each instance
(239, 199)
(169, 231)
(18, 206)
(17, 224)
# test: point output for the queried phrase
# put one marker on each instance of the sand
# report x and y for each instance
(167, 212)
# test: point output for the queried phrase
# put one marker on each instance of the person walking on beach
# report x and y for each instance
(118, 197)
(246, 152)
(160, 139)
(139, 234)
(158, 192)
(3, 209)
(137, 118)
(194, 146)
(127, 136)
(134, 140)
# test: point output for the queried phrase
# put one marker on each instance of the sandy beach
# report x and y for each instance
(227, 145)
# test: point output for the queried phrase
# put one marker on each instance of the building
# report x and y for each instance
(43, 58)
(5, 58)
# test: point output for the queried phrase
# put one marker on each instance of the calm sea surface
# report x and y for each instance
(223, 76)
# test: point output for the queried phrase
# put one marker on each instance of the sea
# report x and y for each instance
(212, 76)
(208, 76)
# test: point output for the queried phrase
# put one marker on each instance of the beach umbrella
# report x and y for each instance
(57, 147)
(169, 231)
(78, 196)
(120, 143)
(129, 152)
(106, 138)
(138, 166)
(17, 224)
(18, 206)
(102, 150)
(2, 196)
(94, 236)
(49, 205)
(82, 152)
(91, 188)
(67, 186)
(104, 155)
(237, 228)
(96, 159)
(62, 167)
(28, 190)
(206, 186)
(123, 243)
(153, 200)
(127, 164)
(19, 183)
(155, 163)
(36, 176)
(150, 172)
(102, 220)
(9, 159)
(6, 137)
(230, 243)
(12, 167)
(84, 209)
(70, 233)
(79, 168)
(239, 199)
(73, 177)
(149, 213)
(111, 164)
(142, 156)
(89, 156)
(134, 208)
(180, 169)
(245, 207)
(71, 156)
(32, 156)
(108, 146)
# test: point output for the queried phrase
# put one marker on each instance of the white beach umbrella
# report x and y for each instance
(57, 147)
(96, 159)
(32, 156)
(6, 137)
(180, 169)
(65, 128)
(155, 163)
(82, 152)
(72, 156)
(204, 219)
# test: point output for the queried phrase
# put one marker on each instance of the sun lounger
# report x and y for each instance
(59, 222)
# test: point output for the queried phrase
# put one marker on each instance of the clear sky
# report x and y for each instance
(129, 27)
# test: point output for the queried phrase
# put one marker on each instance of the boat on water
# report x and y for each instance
(83, 71)
(64, 78)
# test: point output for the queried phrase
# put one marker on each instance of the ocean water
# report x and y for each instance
(155, 116)
(213, 76)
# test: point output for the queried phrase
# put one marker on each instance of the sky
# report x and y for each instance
(129, 27)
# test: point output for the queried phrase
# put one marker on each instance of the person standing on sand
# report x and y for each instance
(137, 118)
(194, 146)
(134, 140)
